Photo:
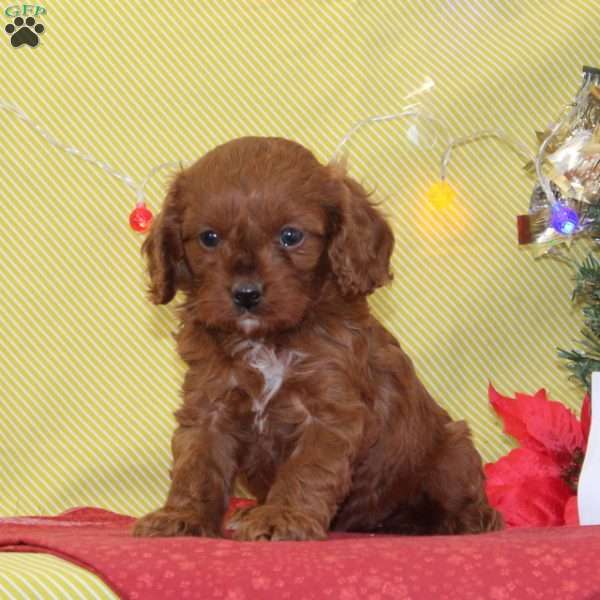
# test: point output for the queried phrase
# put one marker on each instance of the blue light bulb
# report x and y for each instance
(564, 219)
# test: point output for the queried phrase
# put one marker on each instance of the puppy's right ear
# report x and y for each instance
(163, 247)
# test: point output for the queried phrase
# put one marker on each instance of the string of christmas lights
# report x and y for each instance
(441, 194)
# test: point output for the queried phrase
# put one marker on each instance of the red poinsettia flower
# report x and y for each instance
(536, 484)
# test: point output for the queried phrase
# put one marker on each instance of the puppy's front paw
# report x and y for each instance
(277, 523)
(173, 523)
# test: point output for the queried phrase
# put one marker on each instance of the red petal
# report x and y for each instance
(556, 427)
(586, 417)
(540, 424)
(571, 511)
(510, 413)
(534, 503)
(520, 465)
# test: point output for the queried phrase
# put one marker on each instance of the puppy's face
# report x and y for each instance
(253, 231)
(255, 227)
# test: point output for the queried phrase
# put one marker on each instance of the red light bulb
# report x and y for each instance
(140, 218)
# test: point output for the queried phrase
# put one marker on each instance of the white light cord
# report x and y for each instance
(166, 165)
(520, 148)
(137, 187)
(411, 110)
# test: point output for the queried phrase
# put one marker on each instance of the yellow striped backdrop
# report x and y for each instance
(89, 374)
(37, 576)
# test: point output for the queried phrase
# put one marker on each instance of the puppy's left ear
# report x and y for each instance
(362, 242)
(163, 247)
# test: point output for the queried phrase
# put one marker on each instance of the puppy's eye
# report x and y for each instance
(209, 238)
(290, 237)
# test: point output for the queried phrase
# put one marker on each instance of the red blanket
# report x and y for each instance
(561, 563)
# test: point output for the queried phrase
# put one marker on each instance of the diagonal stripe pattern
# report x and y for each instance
(90, 377)
(30, 575)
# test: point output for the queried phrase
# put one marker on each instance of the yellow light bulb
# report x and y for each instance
(441, 195)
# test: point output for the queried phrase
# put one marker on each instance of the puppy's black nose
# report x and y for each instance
(247, 295)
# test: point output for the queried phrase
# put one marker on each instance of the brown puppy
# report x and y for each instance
(293, 385)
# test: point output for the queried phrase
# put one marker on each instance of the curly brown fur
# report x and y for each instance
(293, 386)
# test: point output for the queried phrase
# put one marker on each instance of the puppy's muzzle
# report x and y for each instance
(247, 295)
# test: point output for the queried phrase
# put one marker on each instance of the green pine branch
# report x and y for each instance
(582, 363)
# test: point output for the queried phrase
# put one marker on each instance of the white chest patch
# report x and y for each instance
(273, 367)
